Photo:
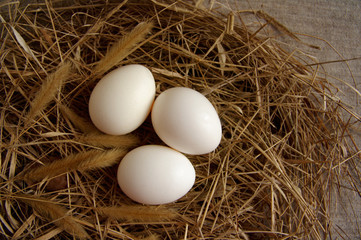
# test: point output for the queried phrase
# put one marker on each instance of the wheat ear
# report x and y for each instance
(48, 91)
(121, 49)
(83, 161)
(79, 122)
(56, 214)
(104, 140)
(138, 213)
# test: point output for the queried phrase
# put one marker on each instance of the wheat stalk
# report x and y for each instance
(48, 90)
(123, 47)
(83, 161)
(138, 213)
(104, 140)
(79, 122)
(56, 214)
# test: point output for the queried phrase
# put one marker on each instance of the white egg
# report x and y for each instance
(122, 99)
(186, 121)
(154, 174)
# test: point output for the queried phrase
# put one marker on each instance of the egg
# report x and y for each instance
(154, 174)
(122, 99)
(186, 121)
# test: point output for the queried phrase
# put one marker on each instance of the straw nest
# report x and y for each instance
(284, 141)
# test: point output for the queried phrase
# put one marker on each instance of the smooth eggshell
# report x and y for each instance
(154, 174)
(122, 99)
(186, 121)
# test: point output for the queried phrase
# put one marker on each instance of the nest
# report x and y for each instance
(284, 141)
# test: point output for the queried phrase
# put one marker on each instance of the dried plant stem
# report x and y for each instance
(123, 47)
(104, 140)
(48, 90)
(79, 122)
(84, 161)
(56, 214)
(138, 213)
(281, 27)
(100, 23)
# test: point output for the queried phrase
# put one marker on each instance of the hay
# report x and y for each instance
(284, 141)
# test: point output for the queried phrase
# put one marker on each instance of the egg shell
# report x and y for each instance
(121, 100)
(186, 121)
(154, 174)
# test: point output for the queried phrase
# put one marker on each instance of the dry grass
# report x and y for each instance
(48, 90)
(147, 214)
(84, 125)
(123, 47)
(285, 142)
(83, 161)
(56, 214)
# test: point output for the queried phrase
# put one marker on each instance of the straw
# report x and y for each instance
(285, 143)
